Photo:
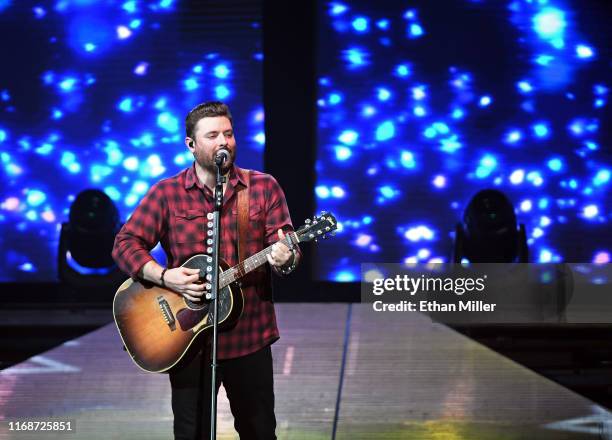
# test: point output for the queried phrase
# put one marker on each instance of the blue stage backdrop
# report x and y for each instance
(93, 94)
(423, 103)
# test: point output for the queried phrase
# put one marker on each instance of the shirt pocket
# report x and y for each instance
(190, 226)
(256, 228)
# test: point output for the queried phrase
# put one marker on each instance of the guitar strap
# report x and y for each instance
(243, 216)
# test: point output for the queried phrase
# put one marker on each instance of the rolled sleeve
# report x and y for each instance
(141, 232)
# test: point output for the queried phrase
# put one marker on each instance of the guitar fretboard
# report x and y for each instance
(253, 262)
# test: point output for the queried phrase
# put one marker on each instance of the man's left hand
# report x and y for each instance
(280, 254)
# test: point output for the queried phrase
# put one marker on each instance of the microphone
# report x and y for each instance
(221, 156)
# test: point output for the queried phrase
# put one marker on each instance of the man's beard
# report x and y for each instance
(210, 166)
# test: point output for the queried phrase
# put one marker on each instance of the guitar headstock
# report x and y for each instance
(317, 227)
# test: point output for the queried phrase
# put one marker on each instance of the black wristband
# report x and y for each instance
(163, 283)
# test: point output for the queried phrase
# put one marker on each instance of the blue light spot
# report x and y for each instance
(29, 267)
(590, 211)
(583, 51)
(544, 60)
(368, 111)
(418, 93)
(517, 177)
(402, 70)
(322, 192)
(191, 84)
(337, 9)
(524, 87)
(36, 197)
(141, 69)
(366, 220)
(388, 191)
(601, 178)
(415, 31)
(39, 12)
(67, 158)
(44, 149)
(99, 172)
(342, 153)
(541, 130)
(68, 84)
(129, 6)
(3, 136)
(135, 24)
(419, 111)
(356, 57)
(441, 127)
(526, 205)
(410, 14)
(407, 160)
(430, 133)
(113, 193)
(513, 137)
(457, 113)
(221, 71)
(131, 163)
(600, 89)
(383, 24)
(555, 164)
(125, 105)
(168, 122)
(485, 101)
(549, 23)
(450, 144)
(221, 92)
(56, 114)
(348, 137)
(334, 99)
(487, 164)
(385, 131)
(383, 94)
(260, 138)
(360, 24)
(344, 276)
(545, 256)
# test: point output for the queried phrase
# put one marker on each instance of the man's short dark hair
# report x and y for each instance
(208, 109)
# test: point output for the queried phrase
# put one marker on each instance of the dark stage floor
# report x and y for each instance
(401, 376)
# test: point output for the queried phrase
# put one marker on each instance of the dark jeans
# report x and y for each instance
(249, 385)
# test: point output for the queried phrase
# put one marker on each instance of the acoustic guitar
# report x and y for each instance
(158, 326)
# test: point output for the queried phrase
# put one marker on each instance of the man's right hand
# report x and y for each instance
(183, 281)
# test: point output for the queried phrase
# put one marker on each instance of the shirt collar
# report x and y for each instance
(235, 176)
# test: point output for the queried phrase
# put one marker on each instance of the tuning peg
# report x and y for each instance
(307, 221)
(328, 228)
(319, 232)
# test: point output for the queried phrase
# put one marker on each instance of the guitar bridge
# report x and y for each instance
(166, 312)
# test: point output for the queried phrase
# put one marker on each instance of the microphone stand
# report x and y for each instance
(214, 294)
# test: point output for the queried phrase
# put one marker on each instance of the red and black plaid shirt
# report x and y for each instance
(173, 213)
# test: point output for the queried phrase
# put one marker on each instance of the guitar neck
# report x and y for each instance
(253, 262)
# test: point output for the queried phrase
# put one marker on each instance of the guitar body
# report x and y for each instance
(158, 326)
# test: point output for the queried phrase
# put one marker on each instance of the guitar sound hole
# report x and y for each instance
(197, 305)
